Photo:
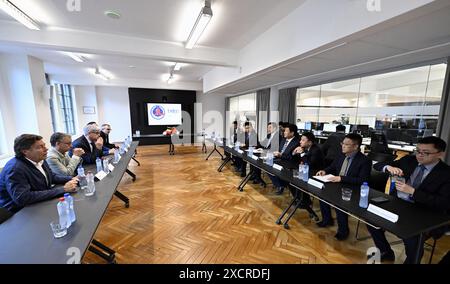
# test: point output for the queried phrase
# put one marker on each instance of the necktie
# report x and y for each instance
(284, 147)
(92, 147)
(418, 180)
(344, 167)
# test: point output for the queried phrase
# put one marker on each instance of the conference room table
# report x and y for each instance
(398, 146)
(27, 237)
(413, 220)
(170, 138)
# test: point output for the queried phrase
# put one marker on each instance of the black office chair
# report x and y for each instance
(4, 215)
(381, 157)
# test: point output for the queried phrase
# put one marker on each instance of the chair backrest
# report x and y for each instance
(378, 180)
(4, 215)
(381, 157)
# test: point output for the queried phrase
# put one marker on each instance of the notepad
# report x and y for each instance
(111, 167)
(383, 213)
(240, 151)
(101, 175)
(254, 157)
(325, 179)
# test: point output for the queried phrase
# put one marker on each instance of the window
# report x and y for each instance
(404, 104)
(61, 106)
(243, 108)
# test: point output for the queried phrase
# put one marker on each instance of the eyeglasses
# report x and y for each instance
(422, 153)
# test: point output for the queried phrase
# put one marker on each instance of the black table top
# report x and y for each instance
(413, 218)
(27, 237)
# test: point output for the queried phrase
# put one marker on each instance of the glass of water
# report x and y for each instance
(58, 230)
(400, 194)
(346, 194)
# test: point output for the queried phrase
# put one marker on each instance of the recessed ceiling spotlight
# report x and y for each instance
(112, 14)
(131, 66)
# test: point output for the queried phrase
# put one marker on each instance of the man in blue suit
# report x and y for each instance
(27, 178)
(91, 143)
(350, 167)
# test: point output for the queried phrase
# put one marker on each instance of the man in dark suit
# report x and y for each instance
(332, 147)
(27, 178)
(270, 142)
(349, 167)
(427, 184)
(287, 146)
(91, 143)
(250, 139)
(308, 153)
(106, 129)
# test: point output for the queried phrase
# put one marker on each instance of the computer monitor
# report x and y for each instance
(308, 125)
(328, 127)
(301, 125)
(362, 129)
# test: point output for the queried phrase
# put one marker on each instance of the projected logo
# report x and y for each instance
(157, 112)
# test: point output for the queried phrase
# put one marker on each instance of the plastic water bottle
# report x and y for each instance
(305, 176)
(392, 187)
(270, 158)
(121, 150)
(116, 157)
(250, 150)
(237, 146)
(105, 166)
(98, 162)
(63, 212)
(69, 200)
(364, 197)
(82, 178)
(90, 189)
(300, 171)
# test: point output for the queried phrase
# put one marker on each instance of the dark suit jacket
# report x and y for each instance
(106, 141)
(251, 139)
(21, 183)
(434, 191)
(332, 147)
(89, 156)
(357, 173)
(314, 158)
(287, 154)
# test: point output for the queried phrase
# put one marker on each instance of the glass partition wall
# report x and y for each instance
(403, 105)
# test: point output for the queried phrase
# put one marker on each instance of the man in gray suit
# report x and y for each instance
(58, 159)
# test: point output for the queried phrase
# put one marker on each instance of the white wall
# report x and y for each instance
(84, 96)
(309, 27)
(114, 109)
(22, 106)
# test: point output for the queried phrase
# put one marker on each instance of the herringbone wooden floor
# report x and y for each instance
(183, 211)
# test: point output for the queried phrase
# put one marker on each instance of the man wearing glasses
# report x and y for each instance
(350, 167)
(106, 129)
(91, 143)
(58, 158)
(427, 183)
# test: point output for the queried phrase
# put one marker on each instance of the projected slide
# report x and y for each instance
(164, 114)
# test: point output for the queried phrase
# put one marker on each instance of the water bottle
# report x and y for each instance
(90, 189)
(364, 197)
(121, 150)
(305, 176)
(105, 166)
(98, 162)
(270, 158)
(69, 200)
(63, 212)
(237, 146)
(392, 187)
(250, 150)
(116, 157)
(82, 178)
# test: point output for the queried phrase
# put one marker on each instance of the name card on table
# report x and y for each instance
(111, 167)
(254, 157)
(383, 213)
(240, 151)
(277, 167)
(101, 175)
(315, 183)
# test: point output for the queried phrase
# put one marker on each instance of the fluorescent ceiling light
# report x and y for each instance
(200, 25)
(76, 57)
(17, 14)
(177, 66)
(100, 74)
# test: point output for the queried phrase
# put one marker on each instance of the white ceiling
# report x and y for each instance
(401, 42)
